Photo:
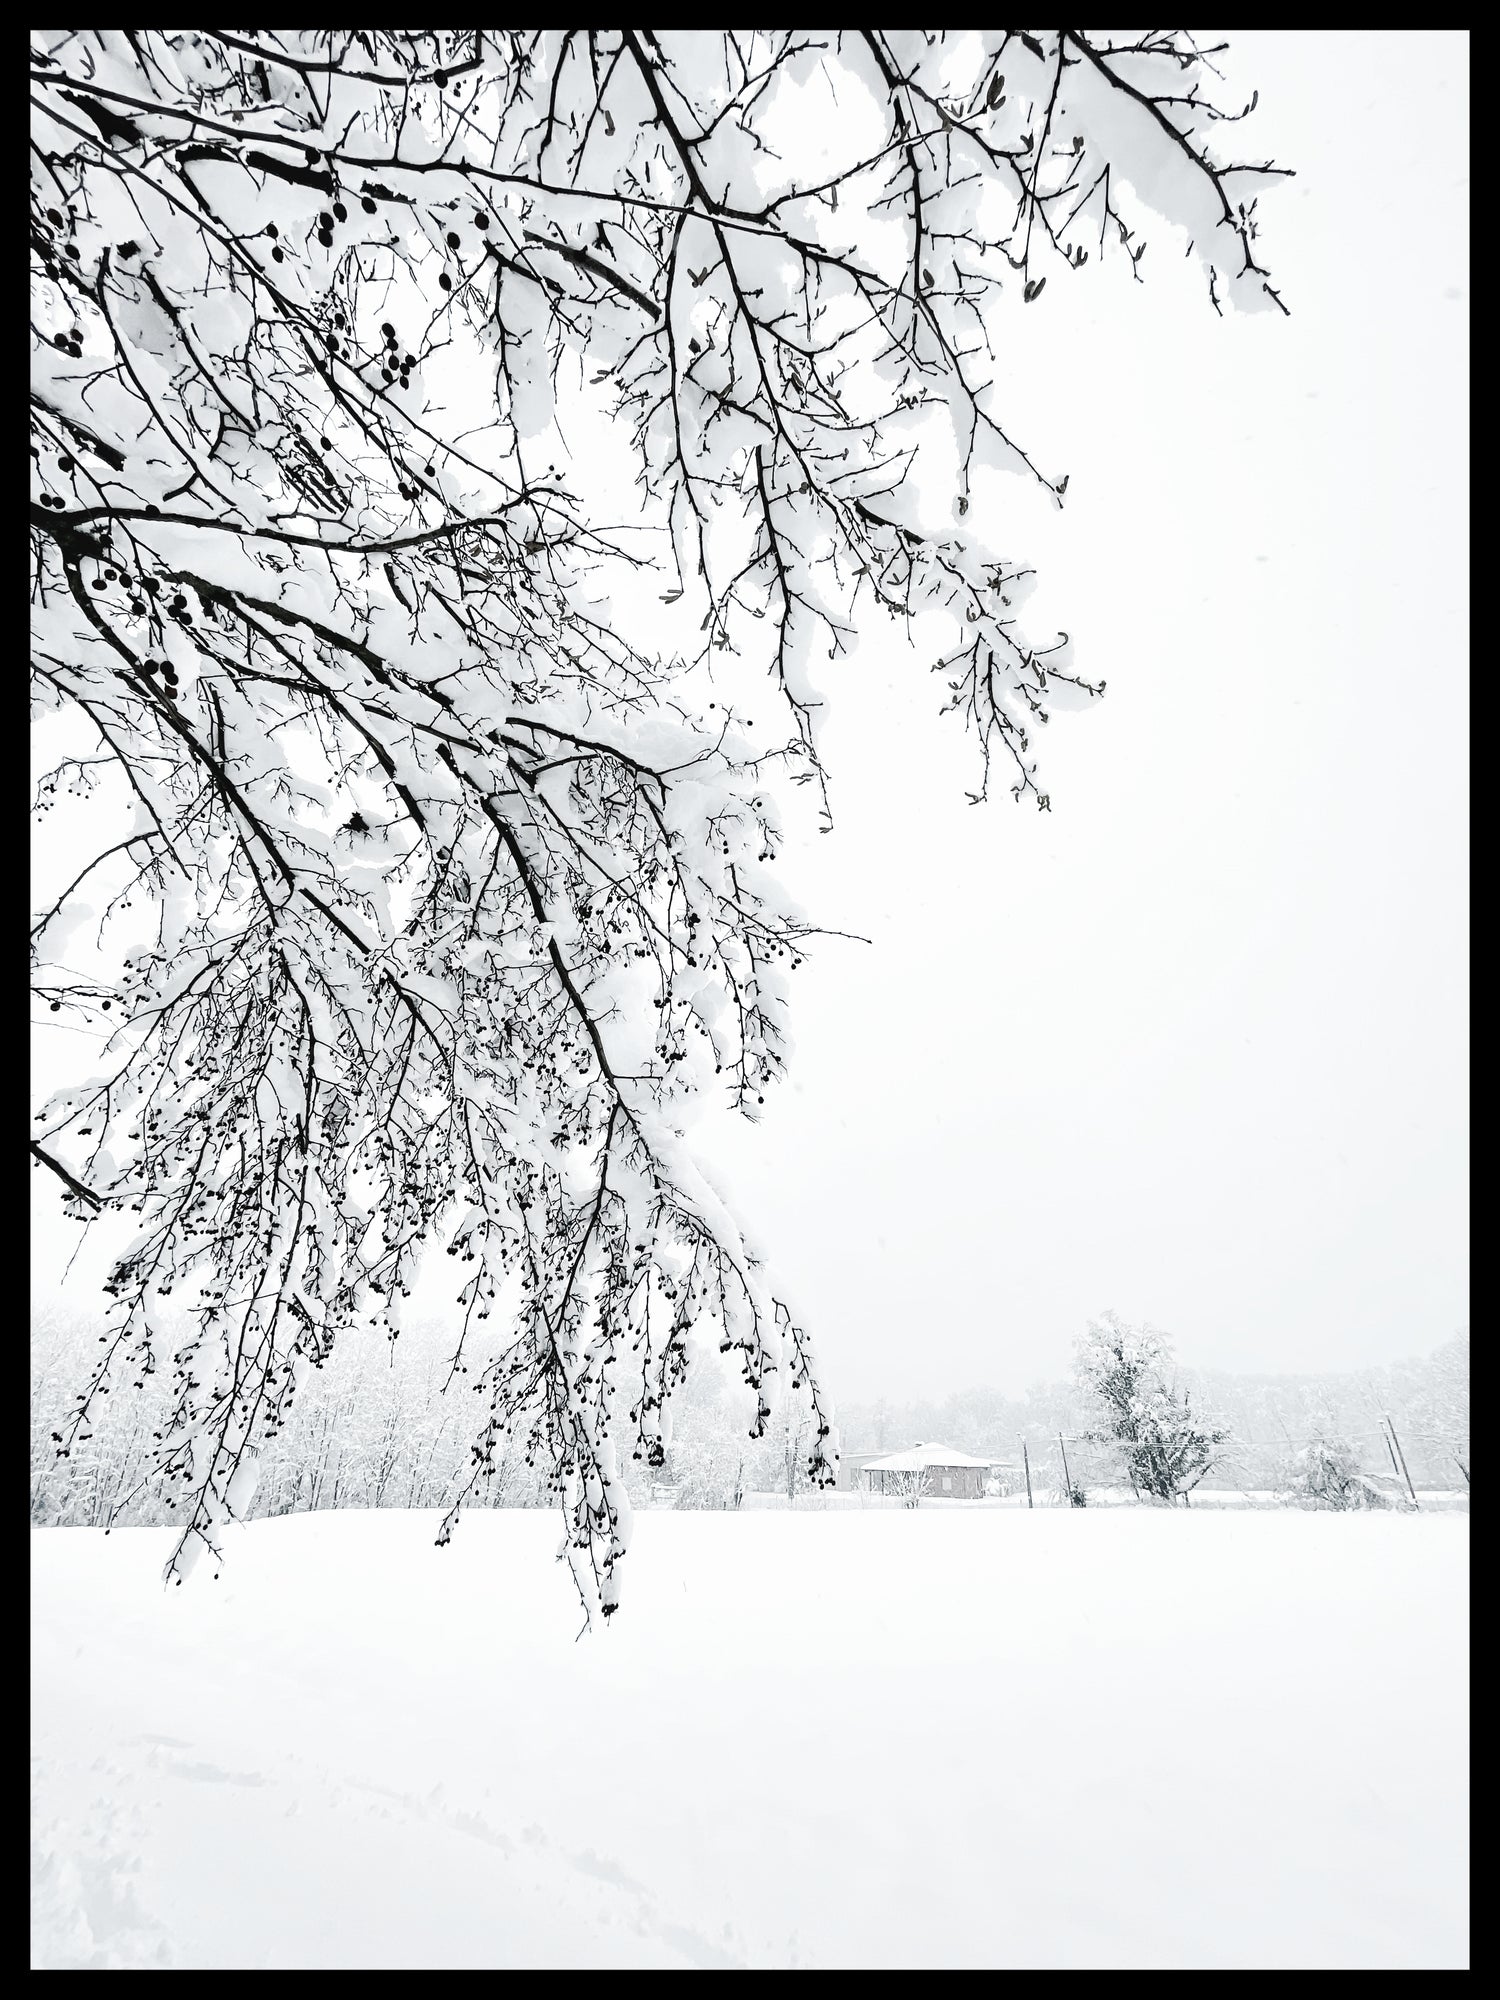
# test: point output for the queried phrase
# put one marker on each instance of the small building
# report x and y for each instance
(851, 1468)
(934, 1471)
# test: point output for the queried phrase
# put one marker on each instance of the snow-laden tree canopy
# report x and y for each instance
(424, 824)
(1164, 1447)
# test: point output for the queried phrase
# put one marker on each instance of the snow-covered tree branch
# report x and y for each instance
(424, 831)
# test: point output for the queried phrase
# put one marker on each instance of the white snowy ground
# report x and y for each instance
(932, 1738)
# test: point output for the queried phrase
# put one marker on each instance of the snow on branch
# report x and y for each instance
(429, 839)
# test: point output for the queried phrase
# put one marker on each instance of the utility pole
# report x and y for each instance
(1026, 1461)
(1409, 1487)
(1390, 1448)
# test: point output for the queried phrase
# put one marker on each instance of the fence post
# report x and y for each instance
(1026, 1461)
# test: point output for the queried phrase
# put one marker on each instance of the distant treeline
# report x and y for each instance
(391, 1427)
(1269, 1418)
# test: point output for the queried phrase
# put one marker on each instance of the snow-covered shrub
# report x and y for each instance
(911, 1488)
(1324, 1474)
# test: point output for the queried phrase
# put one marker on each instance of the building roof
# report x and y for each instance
(925, 1457)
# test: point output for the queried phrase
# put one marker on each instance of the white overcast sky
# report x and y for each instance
(1193, 1045)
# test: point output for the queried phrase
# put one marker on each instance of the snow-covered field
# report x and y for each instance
(838, 1738)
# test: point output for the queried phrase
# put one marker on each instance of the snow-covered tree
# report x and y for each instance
(1164, 1447)
(1438, 1409)
(709, 1459)
(417, 826)
(708, 1472)
(880, 1422)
